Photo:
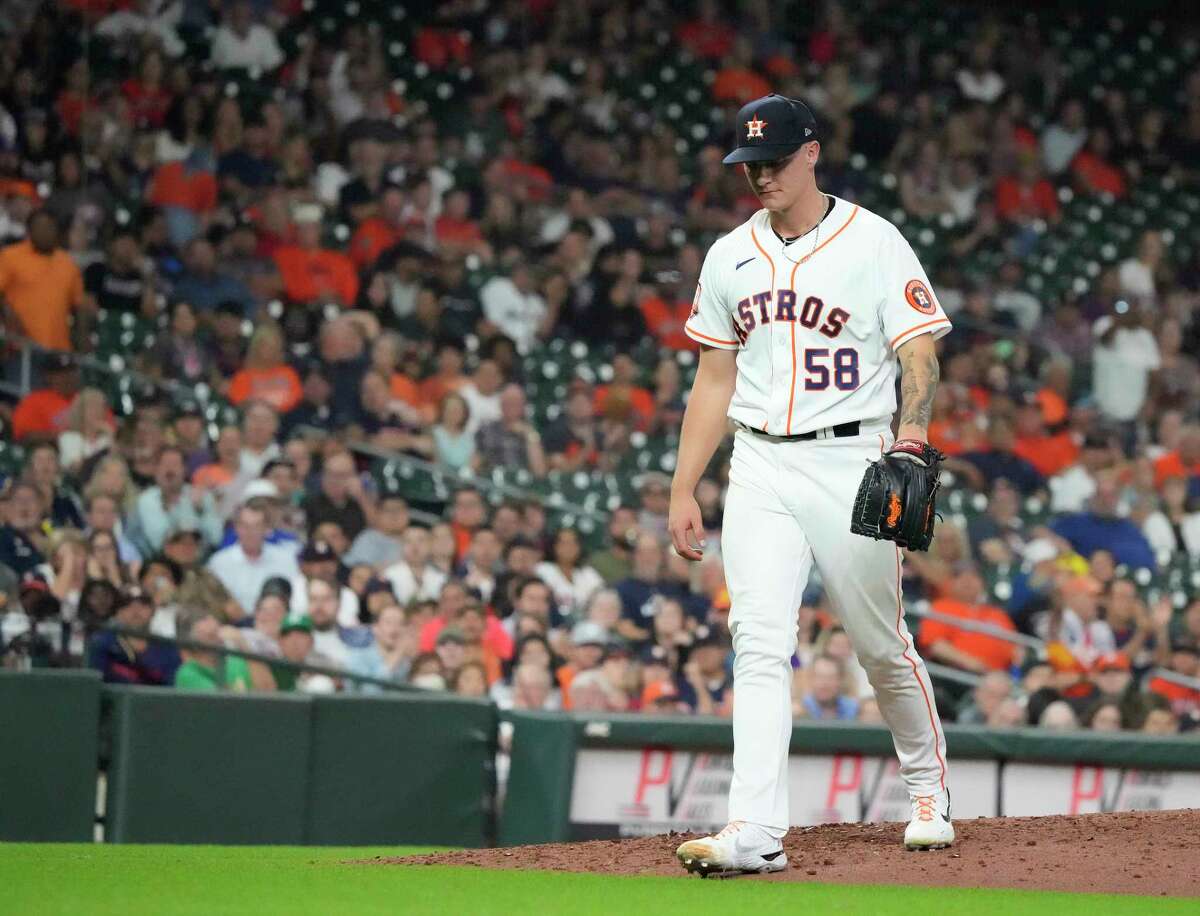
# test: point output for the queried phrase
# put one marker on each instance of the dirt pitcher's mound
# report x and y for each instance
(1129, 853)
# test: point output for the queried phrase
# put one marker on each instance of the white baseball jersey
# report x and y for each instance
(816, 323)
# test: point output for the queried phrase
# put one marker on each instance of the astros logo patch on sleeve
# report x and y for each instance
(919, 297)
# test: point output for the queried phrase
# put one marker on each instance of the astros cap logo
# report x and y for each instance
(755, 128)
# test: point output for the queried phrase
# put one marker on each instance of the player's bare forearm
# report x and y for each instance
(919, 375)
(704, 420)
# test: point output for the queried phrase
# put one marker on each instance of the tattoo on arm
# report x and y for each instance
(918, 383)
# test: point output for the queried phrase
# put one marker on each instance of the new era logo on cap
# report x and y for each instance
(808, 131)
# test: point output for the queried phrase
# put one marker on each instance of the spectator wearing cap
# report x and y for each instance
(204, 671)
(390, 654)
(1102, 528)
(588, 643)
(312, 273)
(707, 684)
(319, 560)
(173, 503)
(824, 698)
(961, 648)
(245, 566)
(451, 649)
(47, 410)
(206, 287)
(414, 578)
(340, 497)
(380, 545)
(511, 441)
(188, 434)
(264, 494)
(572, 581)
(40, 286)
(295, 646)
(127, 658)
(265, 376)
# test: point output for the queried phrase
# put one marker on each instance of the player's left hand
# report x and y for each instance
(686, 527)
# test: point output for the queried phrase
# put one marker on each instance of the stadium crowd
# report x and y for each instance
(345, 264)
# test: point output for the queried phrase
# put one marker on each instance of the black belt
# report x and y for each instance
(841, 431)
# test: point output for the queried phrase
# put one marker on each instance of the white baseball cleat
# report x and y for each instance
(739, 849)
(930, 827)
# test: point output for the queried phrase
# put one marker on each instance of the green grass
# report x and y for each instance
(169, 880)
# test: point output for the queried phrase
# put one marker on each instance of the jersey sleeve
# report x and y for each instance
(711, 321)
(909, 308)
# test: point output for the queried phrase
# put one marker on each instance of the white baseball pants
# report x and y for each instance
(788, 507)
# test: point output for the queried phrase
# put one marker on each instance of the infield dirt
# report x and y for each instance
(1137, 852)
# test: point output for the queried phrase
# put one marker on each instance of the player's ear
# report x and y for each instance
(812, 152)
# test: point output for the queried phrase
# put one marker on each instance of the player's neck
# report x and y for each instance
(808, 210)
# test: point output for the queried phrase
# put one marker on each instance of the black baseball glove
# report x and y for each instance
(895, 500)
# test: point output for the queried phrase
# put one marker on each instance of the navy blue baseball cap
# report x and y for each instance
(771, 128)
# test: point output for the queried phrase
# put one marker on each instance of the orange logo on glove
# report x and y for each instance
(893, 515)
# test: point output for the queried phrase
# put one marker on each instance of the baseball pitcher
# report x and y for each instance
(803, 314)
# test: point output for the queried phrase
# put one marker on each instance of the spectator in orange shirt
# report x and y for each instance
(624, 388)
(312, 273)
(456, 233)
(1184, 660)
(448, 376)
(1049, 454)
(1026, 196)
(1184, 461)
(737, 81)
(970, 651)
(265, 376)
(706, 35)
(1092, 171)
(666, 313)
(379, 231)
(46, 411)
(40, 285)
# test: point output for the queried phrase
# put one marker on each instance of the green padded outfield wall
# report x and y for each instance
(49, 728)
(294, 769)
(207, 768)
(401, 769)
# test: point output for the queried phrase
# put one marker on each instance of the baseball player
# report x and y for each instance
(803, 314)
